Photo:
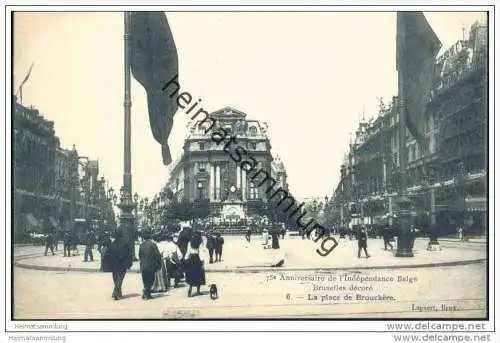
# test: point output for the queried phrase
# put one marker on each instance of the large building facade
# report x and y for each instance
(207, 171)
(447, 182)
(50, 183)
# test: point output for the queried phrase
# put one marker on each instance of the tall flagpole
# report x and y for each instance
(127, 220)
(404, 248)
(127, 104)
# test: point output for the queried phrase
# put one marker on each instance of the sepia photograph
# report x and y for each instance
(183, 164)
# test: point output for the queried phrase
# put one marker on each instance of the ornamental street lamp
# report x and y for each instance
(136, 201)
(112, 196)
(141, 208)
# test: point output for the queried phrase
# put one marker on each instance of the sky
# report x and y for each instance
(310, 76)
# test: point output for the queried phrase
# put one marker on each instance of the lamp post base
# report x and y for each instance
(127, 223)
(403, 220)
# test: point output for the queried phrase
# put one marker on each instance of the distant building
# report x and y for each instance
(206, 171)
(447, 184)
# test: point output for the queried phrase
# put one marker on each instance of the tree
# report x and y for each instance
(179, 210)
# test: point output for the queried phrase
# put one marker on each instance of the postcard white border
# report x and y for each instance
(197, 325)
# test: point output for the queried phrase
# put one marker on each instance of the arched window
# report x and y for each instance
(253, 131)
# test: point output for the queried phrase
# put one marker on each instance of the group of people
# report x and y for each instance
(71, 241)
(162, 260)
(388, 235)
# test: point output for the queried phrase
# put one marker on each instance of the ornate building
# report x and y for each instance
(49, 181)
(448, 182)
(207, 171)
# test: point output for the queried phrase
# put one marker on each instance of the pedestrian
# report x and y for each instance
(173, 256)
(387, 236)
(183, 240)
(160, 283)
(49, 243)
(74, 243)
(195, 273)
(275, 239)
(413, 235)
(265, 238)
(248, 234)
(89, 245)
(460, 231)
(150, 261)
(219, 243)
(105, 244)
(57, 235)
(117, 259)
(362, 242)
(211, 246)
(100, 240)
(67, 243)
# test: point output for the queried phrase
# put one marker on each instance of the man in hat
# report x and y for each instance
(362, 241)
(183, 240)
(211, 246)
(150, 261)
(67, 243)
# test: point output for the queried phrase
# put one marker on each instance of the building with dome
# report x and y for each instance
(207, 172)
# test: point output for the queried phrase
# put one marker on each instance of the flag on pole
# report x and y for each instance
(154, 63)
(417, 47)
(20, 89)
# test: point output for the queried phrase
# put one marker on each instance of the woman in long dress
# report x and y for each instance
(195, 272)
(160, 283)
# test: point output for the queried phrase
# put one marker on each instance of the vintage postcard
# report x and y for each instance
(254, 164)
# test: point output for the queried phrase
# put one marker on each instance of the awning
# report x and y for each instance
(476, 204)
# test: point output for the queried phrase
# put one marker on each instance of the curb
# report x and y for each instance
(269, 269)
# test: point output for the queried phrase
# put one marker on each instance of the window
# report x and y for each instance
(202, 166)
(253, 131)
(252, 146)
(202, 146)
(254, 191)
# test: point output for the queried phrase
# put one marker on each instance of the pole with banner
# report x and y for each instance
(416, 46)
(126, 205)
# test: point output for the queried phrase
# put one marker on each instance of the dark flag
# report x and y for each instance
(153, 61)
(417, 48)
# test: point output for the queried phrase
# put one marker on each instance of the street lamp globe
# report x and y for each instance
(111, 193)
